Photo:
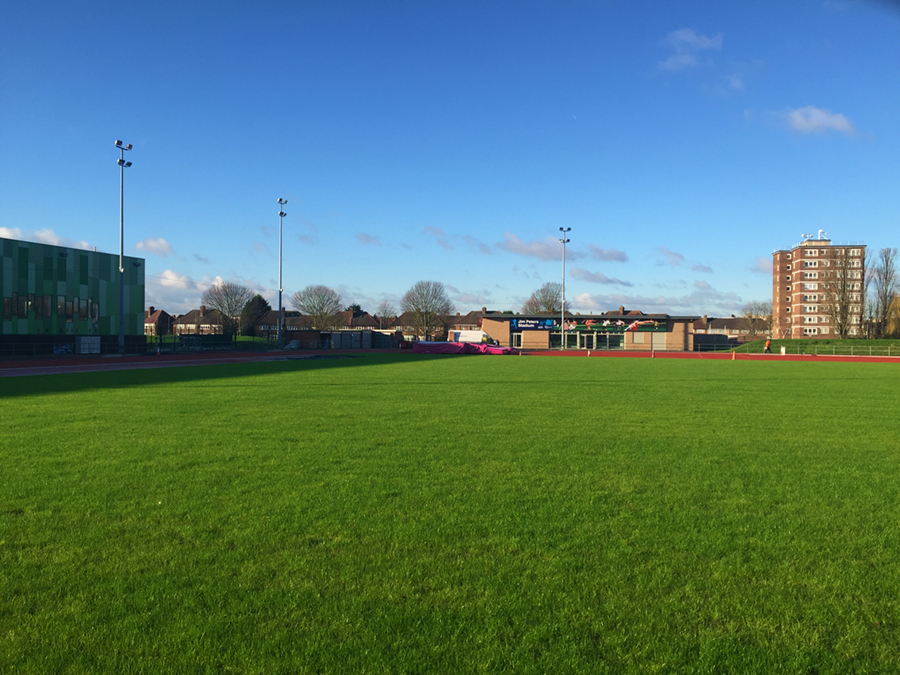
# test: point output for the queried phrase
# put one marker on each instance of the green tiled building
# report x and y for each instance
(58, 291)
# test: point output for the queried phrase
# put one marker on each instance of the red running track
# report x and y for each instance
(85, 364)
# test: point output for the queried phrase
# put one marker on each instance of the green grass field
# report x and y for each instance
(452, 515)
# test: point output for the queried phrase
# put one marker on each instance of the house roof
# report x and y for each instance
(210, 317)
(157, 316)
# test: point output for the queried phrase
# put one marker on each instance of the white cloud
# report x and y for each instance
(607, 254)
(259, 247)
(476, 245)
(597, 277)
(545, 249)
(735, 82)
(809, 119)
(761, 265)
(671, 257)
(366, 239)
(172, 279)
(699, 267)
(703, 299)
(10, 233)
(158, 246)
(687, 44)
(48, 236)
(439, 235)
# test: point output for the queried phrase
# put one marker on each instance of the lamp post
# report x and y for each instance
(122, 166)
(564, 241)
(281, 215)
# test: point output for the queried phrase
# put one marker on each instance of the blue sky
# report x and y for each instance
(681, 141)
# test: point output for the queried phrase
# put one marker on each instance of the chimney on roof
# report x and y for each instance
(705, 320)
(202, 310)
(484, 310)
(621, 309)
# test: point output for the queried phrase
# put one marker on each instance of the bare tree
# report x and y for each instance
(320, 304)
(884, 282)
(545, 300)
(385, 312)
(843, 284)
(428, 306)
(228, 299)
(756, 317)
(892, 327)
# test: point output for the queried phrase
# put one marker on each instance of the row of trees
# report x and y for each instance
(427, 305)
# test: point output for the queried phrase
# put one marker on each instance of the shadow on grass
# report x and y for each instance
(37, 385)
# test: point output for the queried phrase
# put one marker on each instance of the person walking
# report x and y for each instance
(768, 345)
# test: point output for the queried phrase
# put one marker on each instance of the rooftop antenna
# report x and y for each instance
(823, 234)
(806, 237)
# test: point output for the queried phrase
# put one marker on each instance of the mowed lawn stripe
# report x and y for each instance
(467, 514)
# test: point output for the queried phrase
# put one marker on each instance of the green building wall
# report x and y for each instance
(56, 290)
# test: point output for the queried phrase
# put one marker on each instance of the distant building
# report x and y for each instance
(817, 289)
(615, 330)
(201, 321)
(50, 291)
(158, 322)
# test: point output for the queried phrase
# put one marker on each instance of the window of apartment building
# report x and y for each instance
(48, 306)
(22, 309)
(810, 275)
(810, 298)
(60, 305)
(810, 319)
(810, 309)
(69, 310)
(811, 252)
(823, 331)
(787, 289)
(7, 309)
(787, 309)
(37, 307)
(854, 251)
(788, 256)
(788, 268)
(826, 263)
(810, 263)
(810, 331)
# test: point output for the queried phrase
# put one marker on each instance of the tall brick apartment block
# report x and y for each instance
(817, 288)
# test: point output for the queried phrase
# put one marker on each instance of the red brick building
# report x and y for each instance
(817, 289)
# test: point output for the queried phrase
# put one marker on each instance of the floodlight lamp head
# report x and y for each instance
(282, 201)
(120, 162)
(119, 143)
(127, 164)
(128, 147)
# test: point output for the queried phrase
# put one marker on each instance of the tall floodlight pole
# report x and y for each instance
(122, 166)
(281, 215)
(564, 241)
